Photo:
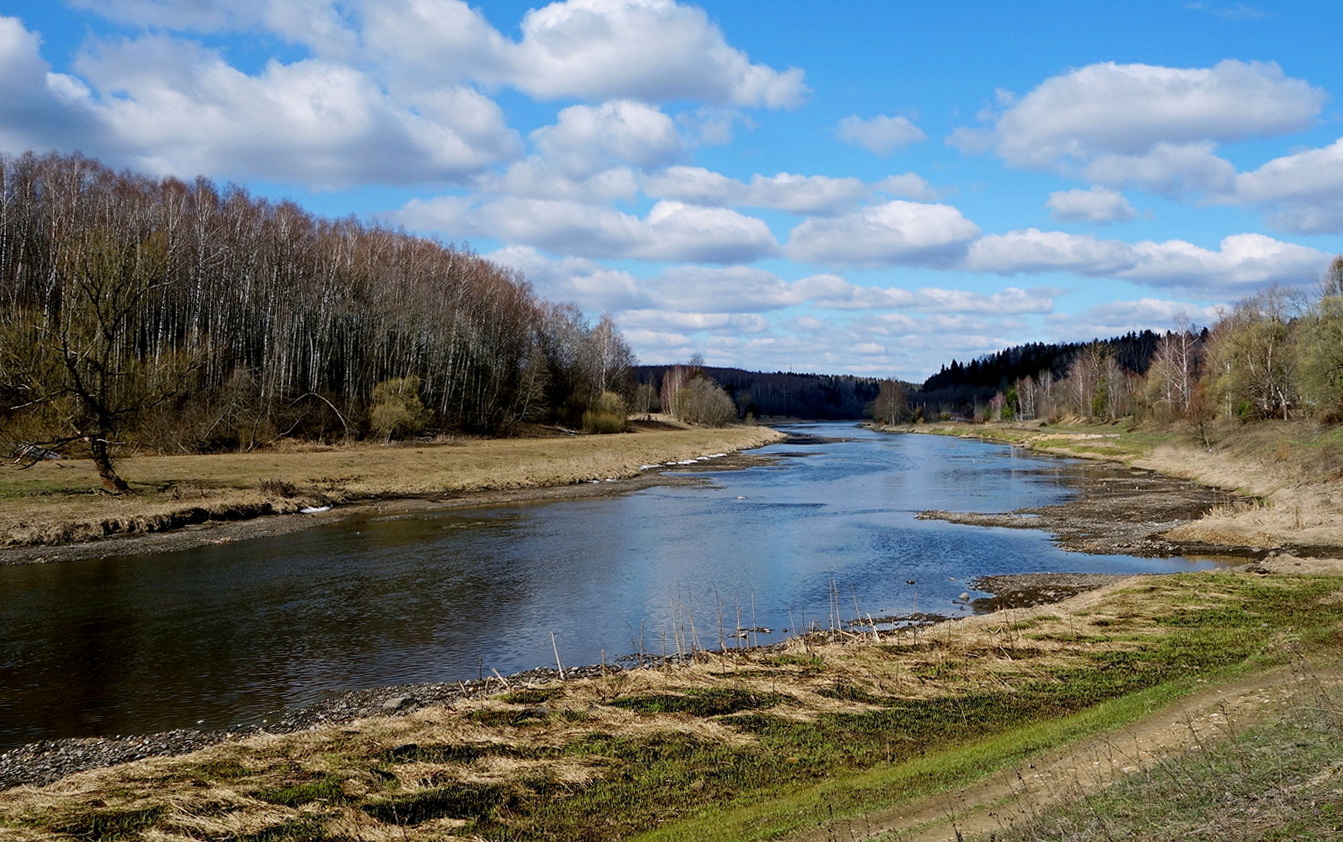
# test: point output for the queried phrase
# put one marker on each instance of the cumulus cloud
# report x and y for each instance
(1033, 251)
(651, 50)
(907, 186)
(1119, 317)
(40, 109)
(672, 231)
(586, 138)
(734, 324)
(893, 233)
(808, 194)
(389, 92)
(178, 107)
(590, 285)
(1303, 192)
(1142, 124)
(1242, 261)
(880, 135)
(1099, 205)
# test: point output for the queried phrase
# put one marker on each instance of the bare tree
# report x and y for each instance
(891, 405)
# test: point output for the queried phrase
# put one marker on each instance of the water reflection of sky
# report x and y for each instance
(224, 633)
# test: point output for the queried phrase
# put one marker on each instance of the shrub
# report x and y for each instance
(397, 409)
(607, 415)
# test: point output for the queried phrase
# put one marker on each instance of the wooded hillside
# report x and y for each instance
(191, 318)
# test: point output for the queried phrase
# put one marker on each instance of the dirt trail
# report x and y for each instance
(1015, 794)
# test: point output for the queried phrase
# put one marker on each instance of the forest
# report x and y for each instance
(817, 397)
(1275, 354)
(185, 317)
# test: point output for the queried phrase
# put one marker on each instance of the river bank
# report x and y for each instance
(54, 511)
(826, 725)
(1279, 483)
(831, 727)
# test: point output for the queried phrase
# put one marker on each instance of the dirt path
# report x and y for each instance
(1007, 797)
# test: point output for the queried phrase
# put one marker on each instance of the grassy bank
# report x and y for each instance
(1290, 470)
(61, 501)
(738, 745)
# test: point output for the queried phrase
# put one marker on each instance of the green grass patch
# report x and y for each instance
(305, 829)
(326, 788)
(451, 753)
(108, 825)
(837, 756)
(1277, 781)
(711, 702)
(471, 801)
(905, 780)
(531, 696)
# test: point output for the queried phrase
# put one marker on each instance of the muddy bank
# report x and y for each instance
(261, 523)
(1024, 590)
(1117, 509)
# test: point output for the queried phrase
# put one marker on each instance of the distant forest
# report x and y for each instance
(959, 387)
(1275, 354)
(819, 397)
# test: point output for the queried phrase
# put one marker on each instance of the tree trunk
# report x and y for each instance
(103, 461)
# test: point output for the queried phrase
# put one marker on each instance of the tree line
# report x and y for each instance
(182, 316)
(1275, 354)
(753, 394)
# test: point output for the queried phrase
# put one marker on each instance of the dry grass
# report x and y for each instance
(59, 501)
(528, 761)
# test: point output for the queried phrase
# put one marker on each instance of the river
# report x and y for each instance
(231, 634)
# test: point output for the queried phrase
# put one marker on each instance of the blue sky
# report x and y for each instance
(867, 188)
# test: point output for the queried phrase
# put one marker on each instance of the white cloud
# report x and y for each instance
(591, 154)
(672, 231)
(427, 44)
(171, 106)
(1303, 191)
(650, 50)
(1147, 125)
(586, 138)
(733, 324)
(681, 232)
(590, 285)
(40, 109)
(732, 289)
(1098, 205)
(907, 186)
(1119, 317)
(1032, 250)
(880, 135)
(1243, 261)
(785, 191)
(892, 233)
(1167, 168)
(536, 179)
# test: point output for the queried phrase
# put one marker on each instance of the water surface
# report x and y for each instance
(233, 633)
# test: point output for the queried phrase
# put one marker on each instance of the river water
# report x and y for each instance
(234, 633)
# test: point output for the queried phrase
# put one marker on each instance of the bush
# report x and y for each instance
(704, 402)
(397, 409)
(607, 415)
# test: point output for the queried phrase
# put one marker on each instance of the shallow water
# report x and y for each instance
(233, 633)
